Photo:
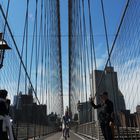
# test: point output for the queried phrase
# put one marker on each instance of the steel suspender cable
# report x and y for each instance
(81, 62)
(17, 50)
(113, 44)
(7, 11)
(41, 49)
(26, 51)
(112, 76)
(105, 27)
(52, 51)
(45, 45)
(85, 55)
(36, 54)
(93, 54)
(69, 45)
(21, 57)
(23, 41)
(109, 54)
(26, 46)
(45, 56)
(60, 55)
(4, 29)
(33, 41)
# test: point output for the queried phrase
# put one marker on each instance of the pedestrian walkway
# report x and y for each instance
(73, 136)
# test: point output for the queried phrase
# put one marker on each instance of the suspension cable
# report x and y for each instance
(91, 39)
(33, 42)
(1, 9)
(105, 27)
(116, 36)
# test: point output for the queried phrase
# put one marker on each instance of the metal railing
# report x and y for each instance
(31, 131)
(93, 131)
(90, 130)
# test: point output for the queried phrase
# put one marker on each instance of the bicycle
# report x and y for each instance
(66, 130)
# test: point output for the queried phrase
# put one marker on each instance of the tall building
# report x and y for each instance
(26, 111)
(107, 81)
(84, 112)
(138, 109)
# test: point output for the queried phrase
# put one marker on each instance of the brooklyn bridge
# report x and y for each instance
(59, 56)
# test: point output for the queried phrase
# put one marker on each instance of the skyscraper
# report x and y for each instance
(107, 81)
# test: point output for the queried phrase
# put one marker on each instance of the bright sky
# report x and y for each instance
(113, 12)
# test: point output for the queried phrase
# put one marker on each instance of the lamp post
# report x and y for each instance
(3, 46)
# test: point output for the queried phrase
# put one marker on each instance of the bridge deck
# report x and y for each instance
(58, 136)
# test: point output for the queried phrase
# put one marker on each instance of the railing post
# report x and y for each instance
(97, 130)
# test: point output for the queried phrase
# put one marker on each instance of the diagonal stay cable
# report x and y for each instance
(7, 11)
(1, 9)
(116, 36)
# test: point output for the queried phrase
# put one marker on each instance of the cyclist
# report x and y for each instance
(66, 124)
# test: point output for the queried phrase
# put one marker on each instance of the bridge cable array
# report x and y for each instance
(34, 67)
(81, 67)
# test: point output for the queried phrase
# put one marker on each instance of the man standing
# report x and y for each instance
(105, 115)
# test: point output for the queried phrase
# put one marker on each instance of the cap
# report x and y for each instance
(3, 93)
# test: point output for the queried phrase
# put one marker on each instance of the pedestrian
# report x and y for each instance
(6, 132)
(105, 115)
(10, 122)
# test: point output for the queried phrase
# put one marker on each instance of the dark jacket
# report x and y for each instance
(3, 107)
(106, 112)
(3, 112)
